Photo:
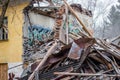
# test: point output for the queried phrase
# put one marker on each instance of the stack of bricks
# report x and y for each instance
(58, 22)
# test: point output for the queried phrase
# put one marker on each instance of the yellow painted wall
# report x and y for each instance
(11, 50)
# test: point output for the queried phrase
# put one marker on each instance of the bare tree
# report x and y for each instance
(4, 4)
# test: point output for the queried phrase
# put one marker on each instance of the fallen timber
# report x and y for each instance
(87, 58)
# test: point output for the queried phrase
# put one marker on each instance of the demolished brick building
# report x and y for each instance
(56, 40)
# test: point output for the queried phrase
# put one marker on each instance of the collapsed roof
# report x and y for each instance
(84, 57)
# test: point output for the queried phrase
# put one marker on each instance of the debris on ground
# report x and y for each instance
(83, 58)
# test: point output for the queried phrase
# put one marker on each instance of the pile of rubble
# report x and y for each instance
(85, 58)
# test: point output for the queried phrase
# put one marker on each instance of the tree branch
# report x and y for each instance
(4, 9)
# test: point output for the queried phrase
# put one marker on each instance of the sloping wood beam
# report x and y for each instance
(43, 60)
(73, 12)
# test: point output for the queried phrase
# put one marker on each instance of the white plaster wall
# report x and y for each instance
(41, 20)
(37, 19)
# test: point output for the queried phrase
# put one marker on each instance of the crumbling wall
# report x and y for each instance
(37, 29)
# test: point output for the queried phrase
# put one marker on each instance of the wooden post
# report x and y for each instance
(43, 60)
(66, 11)
(3, 71)
(73, 12)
